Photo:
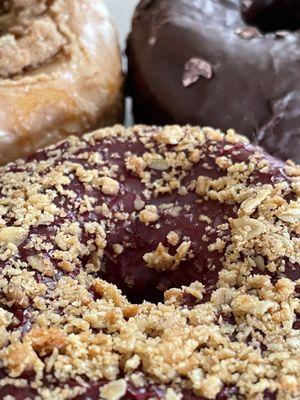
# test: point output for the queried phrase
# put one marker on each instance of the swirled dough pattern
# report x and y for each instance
(60, 72)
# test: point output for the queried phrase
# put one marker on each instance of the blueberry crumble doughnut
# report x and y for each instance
(60, 72)
(225, 63)
(150, 263)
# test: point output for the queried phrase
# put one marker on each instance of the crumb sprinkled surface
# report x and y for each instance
(150, 259)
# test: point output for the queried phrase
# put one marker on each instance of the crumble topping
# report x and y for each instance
(162, 260)
(149, 214)
(12, 234)
(114, 390)
(67, 326)
(173, 238)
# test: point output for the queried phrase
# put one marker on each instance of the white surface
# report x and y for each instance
(121, 12)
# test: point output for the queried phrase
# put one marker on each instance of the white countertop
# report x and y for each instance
(121, 12)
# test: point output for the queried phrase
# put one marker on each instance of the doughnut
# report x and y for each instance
(60, 72)
(272, 15)
(150, 263)
(221, 63)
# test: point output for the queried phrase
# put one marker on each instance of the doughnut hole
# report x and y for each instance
(198, 223)
(137, 275)
(272, 15)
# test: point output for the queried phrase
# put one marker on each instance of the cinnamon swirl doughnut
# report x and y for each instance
(60, 72)
(150, 263)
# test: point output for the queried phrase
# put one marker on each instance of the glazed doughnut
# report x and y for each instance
(150, 262)
(60, 72)
(203, 62)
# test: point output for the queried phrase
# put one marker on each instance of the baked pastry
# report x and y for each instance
(60, 72)
(201, 62)
(150, 262)
(272, 15)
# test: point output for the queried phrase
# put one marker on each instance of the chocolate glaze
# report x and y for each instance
(255, 82)
(152, 392)
(146, 283)
(130, 266)
(272, 15)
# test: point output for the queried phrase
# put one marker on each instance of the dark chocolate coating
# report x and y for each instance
(132, 393)
(137, 237)
(152, 392)
(205, 265)
(272, 15)
(255, 82)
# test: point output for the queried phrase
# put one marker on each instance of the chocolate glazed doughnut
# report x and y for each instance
(111, 243)
(60, 72)
(200, 62)
(272, 15)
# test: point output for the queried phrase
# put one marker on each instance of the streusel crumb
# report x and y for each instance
(150, 260)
